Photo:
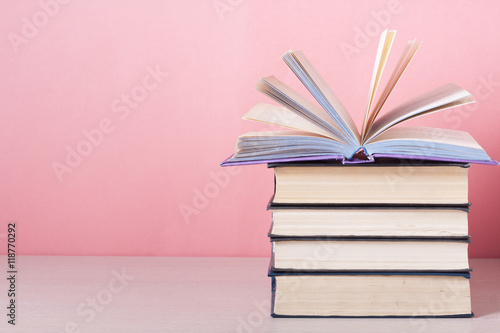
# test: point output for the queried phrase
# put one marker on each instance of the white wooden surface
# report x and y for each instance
(83, 294)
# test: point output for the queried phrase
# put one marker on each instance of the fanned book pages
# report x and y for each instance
(325, 130)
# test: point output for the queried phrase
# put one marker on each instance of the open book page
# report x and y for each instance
(433, 143)
(284, 133)
(325, 131)
(281, 116)
(264, 146)
(403, 62)
(384, 48)
(444, 97)
(429, 134)
(322, 92)
(295, 102)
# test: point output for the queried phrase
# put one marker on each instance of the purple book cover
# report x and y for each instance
(341, 158)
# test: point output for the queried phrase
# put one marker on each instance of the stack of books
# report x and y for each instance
(362, 240)
(370, 222)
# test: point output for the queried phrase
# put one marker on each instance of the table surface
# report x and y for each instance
(157, 294)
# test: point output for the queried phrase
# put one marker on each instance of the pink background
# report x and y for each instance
(65, 74)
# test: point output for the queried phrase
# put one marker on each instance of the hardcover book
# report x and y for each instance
(369, 254)
(390, 184)
(387, 294)
(327, 131)
(368, 221)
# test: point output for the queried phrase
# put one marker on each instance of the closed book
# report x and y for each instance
(369, 254)
(368, 221)
(387, 183)
(386, 294)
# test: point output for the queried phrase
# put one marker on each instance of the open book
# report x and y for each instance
(327, 131)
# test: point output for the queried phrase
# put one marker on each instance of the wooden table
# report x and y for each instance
(153, 294)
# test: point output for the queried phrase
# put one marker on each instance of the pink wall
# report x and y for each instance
(71, 73)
